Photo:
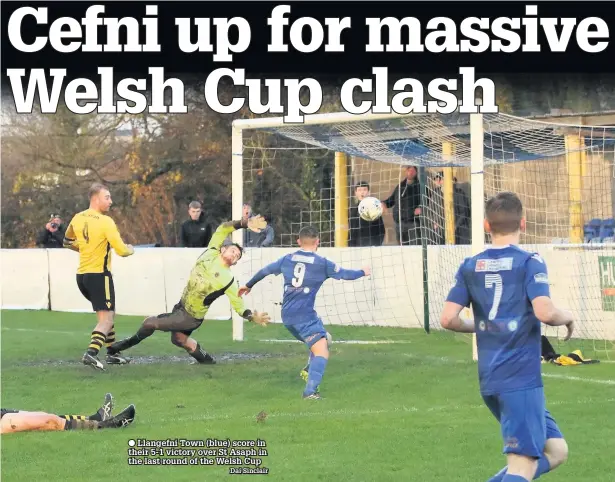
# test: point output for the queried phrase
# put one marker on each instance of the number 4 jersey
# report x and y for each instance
(500, 284)
(95, 234)
(304, 273)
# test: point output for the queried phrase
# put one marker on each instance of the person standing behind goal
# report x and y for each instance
(92, 234)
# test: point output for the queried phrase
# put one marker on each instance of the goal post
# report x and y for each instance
(311, 173)
(477, 181)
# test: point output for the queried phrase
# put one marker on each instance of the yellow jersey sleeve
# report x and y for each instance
(222, 233)
(232, 293)
(70, 239)
(115, 240)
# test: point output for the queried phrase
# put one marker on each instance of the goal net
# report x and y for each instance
(434, 174)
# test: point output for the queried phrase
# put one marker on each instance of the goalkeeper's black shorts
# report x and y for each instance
(179, 320)
(98, 289)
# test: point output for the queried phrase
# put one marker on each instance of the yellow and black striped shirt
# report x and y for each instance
(93, 234)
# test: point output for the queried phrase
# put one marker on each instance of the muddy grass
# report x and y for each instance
(149, 360)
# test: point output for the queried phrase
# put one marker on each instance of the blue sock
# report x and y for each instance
(317, 370)
(514, 478)
(310, 358)
(543, 467)
(499, 477)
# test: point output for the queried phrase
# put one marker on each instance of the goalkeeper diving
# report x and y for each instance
(210, 278)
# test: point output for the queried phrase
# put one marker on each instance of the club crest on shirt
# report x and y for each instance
(513, 325)
(502, 264)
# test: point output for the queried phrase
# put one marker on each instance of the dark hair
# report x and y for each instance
(362, 184)
(237, 246)
(96, 188)
(309, 233)
(504, 212)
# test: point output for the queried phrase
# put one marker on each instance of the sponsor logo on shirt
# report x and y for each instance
(541, 278)
(502, 264)
(302, 259)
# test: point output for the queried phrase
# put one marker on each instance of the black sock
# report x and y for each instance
(200, 355)
(110, 340)
(82, 425)
(96, 342)
(74, 417)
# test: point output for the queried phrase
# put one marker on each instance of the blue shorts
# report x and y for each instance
(309, 332)
(525, 422)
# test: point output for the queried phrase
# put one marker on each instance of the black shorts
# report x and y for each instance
(98, 289)
(177, 321)
(4, 411)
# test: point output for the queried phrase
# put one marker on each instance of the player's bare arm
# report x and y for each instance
(546, 311)
(450, 319)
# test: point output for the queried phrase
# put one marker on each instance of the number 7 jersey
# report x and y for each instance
(304, 274)
(500, 284)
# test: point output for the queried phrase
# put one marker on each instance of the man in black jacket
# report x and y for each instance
(53, 234)
(461, 203)
(405, 202)
(196, 232)
(364, 233)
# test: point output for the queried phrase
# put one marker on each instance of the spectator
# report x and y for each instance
(407, 214)
(462, 211)
(264, 239)
(53, 234)
(364, 233)
(196, 231)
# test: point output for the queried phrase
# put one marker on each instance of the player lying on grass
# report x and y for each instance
(508, 289)
(23, 421)
(304, 273)
(210, 278)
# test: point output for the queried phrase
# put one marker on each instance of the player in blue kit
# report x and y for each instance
(304, 273)
(508, 289)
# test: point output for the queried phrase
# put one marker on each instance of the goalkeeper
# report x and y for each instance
(210, 278)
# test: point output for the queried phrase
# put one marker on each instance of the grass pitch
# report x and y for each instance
(393, 412)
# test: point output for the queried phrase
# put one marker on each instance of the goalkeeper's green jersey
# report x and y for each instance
(211, 278)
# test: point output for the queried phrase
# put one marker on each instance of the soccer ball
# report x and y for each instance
(370, 209)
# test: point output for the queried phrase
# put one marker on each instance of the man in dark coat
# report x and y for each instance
(405, 201)
(196, 231)
(364, 233)
(53, 234)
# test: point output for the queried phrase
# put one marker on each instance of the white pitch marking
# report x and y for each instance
(349, 342)
(579, 379)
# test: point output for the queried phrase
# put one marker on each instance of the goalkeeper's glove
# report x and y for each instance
(260, 318)
(256, 224)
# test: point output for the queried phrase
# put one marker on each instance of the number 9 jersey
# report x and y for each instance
(500, 285)
(304, 274)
